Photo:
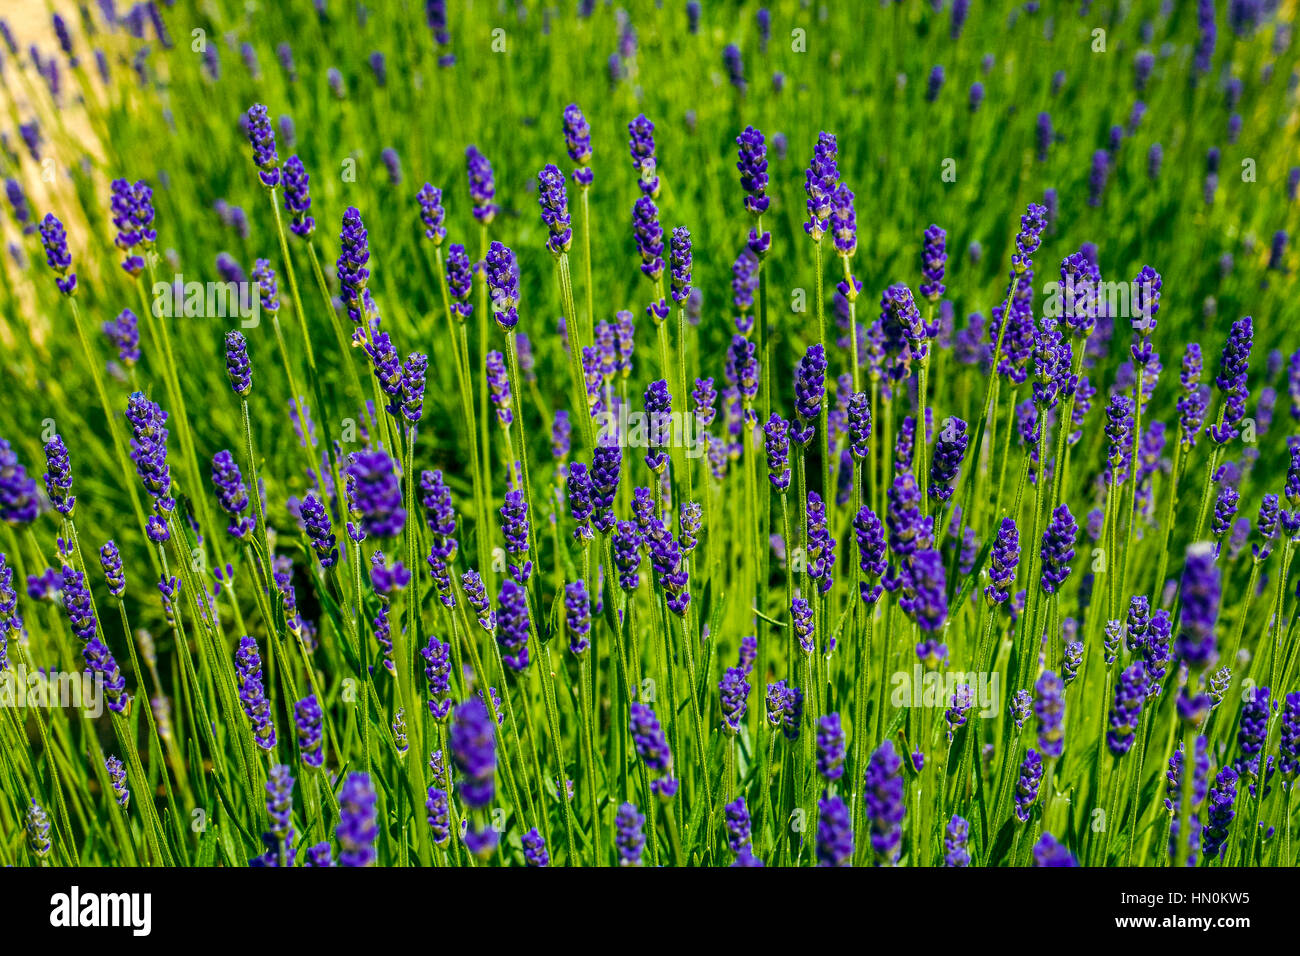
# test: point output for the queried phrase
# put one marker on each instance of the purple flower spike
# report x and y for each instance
(437, 672)
(482, 186)
(248, 668)
(1233, 368)
(870, 534)
(649, 237)
(753, 169)
(262, 138)
(734, 692)
(1049, 709)
(934, 256)
(607, 461)
(316, 521)
(110, 559)
(124, 333)
(577, 139)
(237, 365)
(103, 668)
(810, 384)
(1031, 775)
(1058, 549)
(680, 263)
(132, 214)
(949, 451)
(297, 198)
(18, 502)
(820, 182)
(513, 625)
(577, 607)
(830, 747)
(307, 720)
(232, 495)
(777, 445)
(1289, 729)
(1195, 644)
(1222, 811)
(629, 835)
(503, 285)
(1032, 224)
(1130, 695)
(55, 241)
(473, 751)
(957, 832)
(77, 603)
(1049, 852)
(1004, 557)
(885, 801)
(375, 495)
(642, 146)
(358, 822)
(844, 221)
(58, 477)
(351, 265)
(834, 832)
(820, 544)
(555, 209)
(652, 747)
(149, 452)
(432, 213)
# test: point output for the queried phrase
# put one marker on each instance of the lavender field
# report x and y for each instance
(638, 433)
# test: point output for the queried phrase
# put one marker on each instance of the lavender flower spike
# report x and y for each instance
(555, 209)
(262, 138)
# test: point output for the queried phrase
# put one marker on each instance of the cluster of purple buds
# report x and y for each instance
(297, 198)
(886, 802)
(577, 607)
(753, 169)
(124, 334)
(629, 835)
(262, 138)
(513, 625)
(482, 186)
(232, 495)
(820, 183)
(1233, 368)
(358, 826)
(652, 747)
(734, 692)
(949, 451)
(834, 832)
(432, 212)
(642, 146)
(577, 139)
(785, 709)
(934, 256)
(55, 240)
(132, 212)
(473, 751)
(503, 285)
(437, 672)
(252, 694)
(149, 452)
(1049, 709)
(351, 266)
(58, 477)
(555, 209)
